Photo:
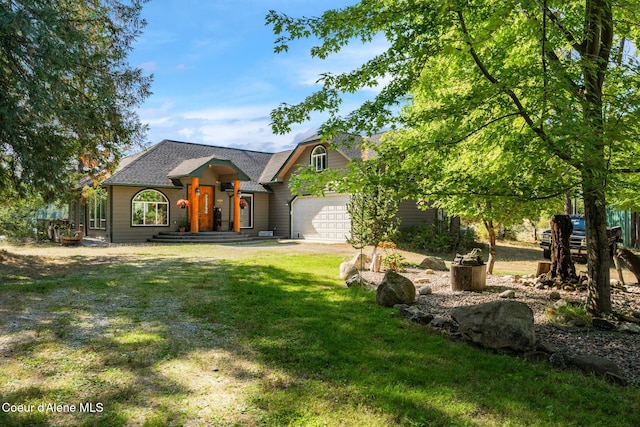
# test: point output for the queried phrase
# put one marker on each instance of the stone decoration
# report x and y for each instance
(433, 263)
(498, 325)
(358, 281)
(347, 270)
(509, 293)
(395, 289)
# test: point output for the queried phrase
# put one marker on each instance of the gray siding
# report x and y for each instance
(119, 214)
(411, 214)
(279, 213)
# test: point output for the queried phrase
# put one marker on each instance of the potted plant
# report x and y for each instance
(183, 203)
(71, 237)
(184, 224)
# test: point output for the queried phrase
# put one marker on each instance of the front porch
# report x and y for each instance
(212, 237)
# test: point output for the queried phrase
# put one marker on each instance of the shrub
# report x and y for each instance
(567, 313)
(431, 238)
(392, 260)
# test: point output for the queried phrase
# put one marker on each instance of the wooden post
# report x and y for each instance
(236, 206)
(543, 267)
(468, 277)
(195, 205)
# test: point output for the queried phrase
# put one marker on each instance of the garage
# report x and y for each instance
(320, 218)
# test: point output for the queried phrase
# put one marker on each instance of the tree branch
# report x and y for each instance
(579, 47)
(511, 94)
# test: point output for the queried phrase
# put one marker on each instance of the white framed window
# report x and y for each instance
(319, 158)
(98, 212)
(246, 211)
(149, 208)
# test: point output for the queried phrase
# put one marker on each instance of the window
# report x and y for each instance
(98, 212)
(246, 211)
(149, 207)
(319, 158)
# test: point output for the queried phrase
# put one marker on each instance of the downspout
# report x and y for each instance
(110, 190)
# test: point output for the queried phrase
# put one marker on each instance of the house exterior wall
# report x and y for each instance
(411, 215)
(279, 211)
(261, 204)
(119, 214)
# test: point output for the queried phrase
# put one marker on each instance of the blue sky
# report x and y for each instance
(216, 77)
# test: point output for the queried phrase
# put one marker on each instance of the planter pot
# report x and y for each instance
(71, 241)
(182, 229)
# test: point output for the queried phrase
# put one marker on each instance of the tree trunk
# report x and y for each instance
(595, 52)
(562, 266)
(599, 289)
(568, 206)
(492, 245)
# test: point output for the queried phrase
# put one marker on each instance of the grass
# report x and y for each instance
(266, 335)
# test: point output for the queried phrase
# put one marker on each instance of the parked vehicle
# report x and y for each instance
(578, 239)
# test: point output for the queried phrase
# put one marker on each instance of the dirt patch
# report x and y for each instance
(19, 267)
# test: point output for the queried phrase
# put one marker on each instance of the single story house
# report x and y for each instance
(225, 189)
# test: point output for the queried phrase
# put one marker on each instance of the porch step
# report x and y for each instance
(201, 237)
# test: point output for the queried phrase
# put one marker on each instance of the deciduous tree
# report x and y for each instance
(550, 78)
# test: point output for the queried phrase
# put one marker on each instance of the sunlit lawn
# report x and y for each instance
(267, 335)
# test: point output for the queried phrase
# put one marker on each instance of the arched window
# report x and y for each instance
(319, 158)
(149, 207)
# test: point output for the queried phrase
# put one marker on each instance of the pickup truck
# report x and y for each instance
(578, 239)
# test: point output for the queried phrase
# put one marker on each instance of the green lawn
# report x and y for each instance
(268, 335)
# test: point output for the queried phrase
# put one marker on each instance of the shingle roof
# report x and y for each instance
(155, 166)
(274, 165)
(152, 167)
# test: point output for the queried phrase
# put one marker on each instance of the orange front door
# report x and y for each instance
(206, 208)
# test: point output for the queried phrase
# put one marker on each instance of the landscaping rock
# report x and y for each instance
(426, 290)
(441, 323)
(498, 325)
(433, 263)
(395, 289)
(600, 366)
(414, 314)
(602, 324)
(359, 281)
(509, 293)
(559, 360)
(630, 328)
(347, 270)
(554, 296)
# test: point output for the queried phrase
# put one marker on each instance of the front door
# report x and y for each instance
(206, 208)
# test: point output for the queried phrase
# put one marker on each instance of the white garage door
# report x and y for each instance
(321, 218)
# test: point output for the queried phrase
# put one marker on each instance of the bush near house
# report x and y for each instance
(436, 238)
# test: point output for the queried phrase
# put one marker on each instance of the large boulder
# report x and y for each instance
(498, 325)
(347, 270)
(433, 263)
(395, 289)
(600, 366)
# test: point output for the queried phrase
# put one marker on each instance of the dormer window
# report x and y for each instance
(319, 158)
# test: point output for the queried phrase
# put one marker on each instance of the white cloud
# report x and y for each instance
(305, 70)
(149, 67)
